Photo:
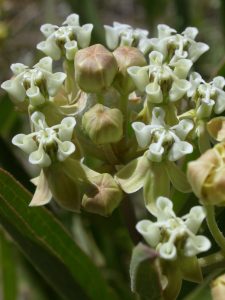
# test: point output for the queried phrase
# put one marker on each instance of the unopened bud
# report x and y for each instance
(95, 68)
(218, 288)
(207, 176)
(127, 57)
(103, 125)
(107, 197)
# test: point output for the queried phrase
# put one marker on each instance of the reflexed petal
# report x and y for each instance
(149, 231)
(205, 109)
(65, 149)
(144, 45)
(139, 76)
(84, 35)
(42, 193)
(66, 128)
(25, 143)
(219, 82)
(164, 208)
(195, 80)
(40, 158)
(143, 133)
(132, 176)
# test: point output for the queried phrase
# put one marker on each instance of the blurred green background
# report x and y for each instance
(19, 33)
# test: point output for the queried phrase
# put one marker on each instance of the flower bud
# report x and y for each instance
(103, 125)
(127, 57)
(95, 68)
(207, 176)
(106, 199)
(218, 288)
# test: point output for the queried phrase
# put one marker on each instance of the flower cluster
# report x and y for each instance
(140, 112)
(172, 235)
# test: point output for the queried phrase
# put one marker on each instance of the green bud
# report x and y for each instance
(103, 125)
(95, 68)
(106, 199)
(127, 57)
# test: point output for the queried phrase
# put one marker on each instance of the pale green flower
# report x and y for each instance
(37, 83)
(47, 144)
(161, 139)
(170, 234)
(66, 39)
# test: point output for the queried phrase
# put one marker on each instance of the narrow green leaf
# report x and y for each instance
(48, 246)
(144, 273)
(8, 268)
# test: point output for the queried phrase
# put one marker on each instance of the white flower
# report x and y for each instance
(208, 96)
(47, 143)
(66, 39)
(155, 79)
(176, 46)
(161, 139)
(37, 83)
(171, 233)
(125, 35)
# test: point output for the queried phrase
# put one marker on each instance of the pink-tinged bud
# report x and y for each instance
(106, 199)
(218, 288)
(127, 57)
(207, 176)
(95, 68)
(103, 125)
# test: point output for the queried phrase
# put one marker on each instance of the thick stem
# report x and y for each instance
(213, 227)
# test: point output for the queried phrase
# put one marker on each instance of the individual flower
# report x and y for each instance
(125, 35)
(66, 39)
(37, 84)
(47, 144)
(172, 236)
(176, 46)
(162, 140)
(161, 81)
(208, 96)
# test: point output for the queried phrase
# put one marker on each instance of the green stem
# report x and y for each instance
(213, 227)
(109, 154)
(212, 259)
(125, 112)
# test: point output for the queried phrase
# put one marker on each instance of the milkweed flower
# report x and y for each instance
(171, 235)
(37, 84)
(66, 39)
(47, 144)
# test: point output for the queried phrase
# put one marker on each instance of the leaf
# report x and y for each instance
(145, 280)
(177, 177)
(8, 268)
(48, 246)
